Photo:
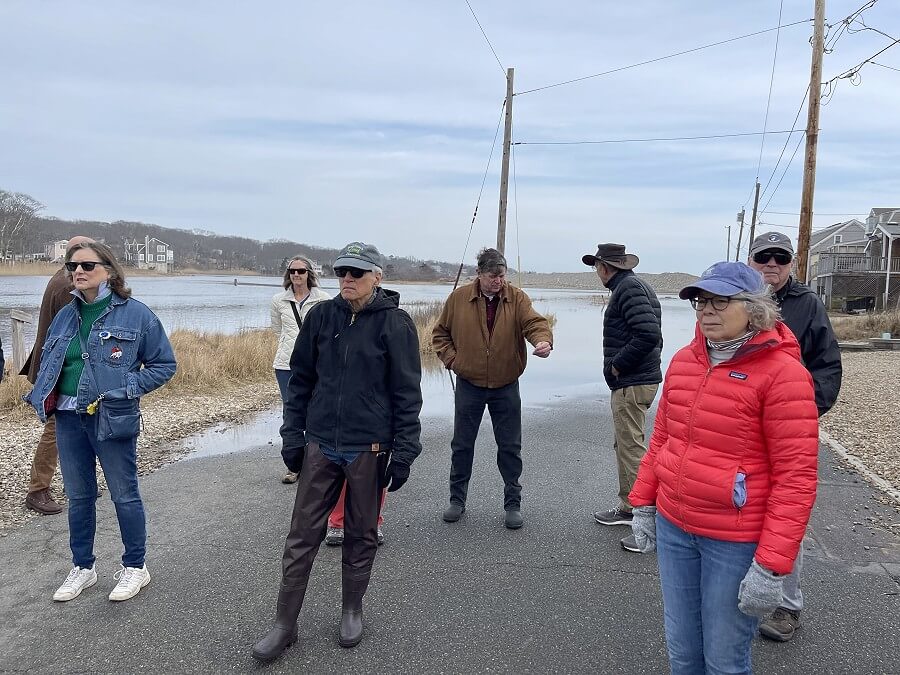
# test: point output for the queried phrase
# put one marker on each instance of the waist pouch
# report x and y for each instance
(118, 420)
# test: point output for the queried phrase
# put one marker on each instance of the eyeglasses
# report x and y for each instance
(718, 303)
(781, 257)
(87, 265)
(341, 272)
(297, 270)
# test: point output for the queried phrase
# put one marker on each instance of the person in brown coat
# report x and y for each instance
(480, 336)
(43, 466)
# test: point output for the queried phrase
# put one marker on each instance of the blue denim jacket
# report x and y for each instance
(129, 354)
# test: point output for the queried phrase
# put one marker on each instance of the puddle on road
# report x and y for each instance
(228, 437)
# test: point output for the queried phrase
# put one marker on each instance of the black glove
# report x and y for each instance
(397, 474)
(293, 457)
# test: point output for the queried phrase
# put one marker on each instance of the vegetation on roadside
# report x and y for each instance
(864, 326)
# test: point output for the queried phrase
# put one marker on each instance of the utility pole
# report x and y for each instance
(504, 171)
(728, 244)
(753, 220)
(737, 251)
(812, 140)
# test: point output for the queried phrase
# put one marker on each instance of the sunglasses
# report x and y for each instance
(297, 270)
(87, 266)
(781, 257)
(718, 303)
(341, 272)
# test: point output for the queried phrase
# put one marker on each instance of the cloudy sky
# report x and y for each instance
(326, 122)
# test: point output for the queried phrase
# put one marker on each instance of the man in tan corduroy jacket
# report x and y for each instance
(481, 336)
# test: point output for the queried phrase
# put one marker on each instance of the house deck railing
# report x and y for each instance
(840, 263)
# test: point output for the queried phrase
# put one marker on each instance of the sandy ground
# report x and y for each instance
(864, 420)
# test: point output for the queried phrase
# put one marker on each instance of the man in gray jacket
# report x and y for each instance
(772, 254)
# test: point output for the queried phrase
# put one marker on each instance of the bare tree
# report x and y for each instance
(16, 211)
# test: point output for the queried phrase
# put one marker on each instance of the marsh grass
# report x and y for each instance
(864, 326)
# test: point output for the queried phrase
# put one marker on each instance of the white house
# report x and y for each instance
(149, 254)
(56, 250)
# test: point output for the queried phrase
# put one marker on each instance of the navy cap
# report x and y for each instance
(358, 255)
(726, 279)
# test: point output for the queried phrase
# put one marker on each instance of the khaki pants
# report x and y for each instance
(45, 457)
(629, 413)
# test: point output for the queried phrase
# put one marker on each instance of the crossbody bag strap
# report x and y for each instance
(297, 313)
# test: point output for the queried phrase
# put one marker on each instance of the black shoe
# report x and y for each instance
(274, 643)
(351, 630)
(513, 520)
(629, 544)
(454, 512)
(613, 517)
(781, 626)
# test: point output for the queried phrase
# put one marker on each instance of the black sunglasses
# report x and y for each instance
(87, 266)
(781, 257)
(297, 270)
(341, 272)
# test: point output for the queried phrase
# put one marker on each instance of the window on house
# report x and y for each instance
(160, 249)
(160, 258)
(140, 257)
(838, 238)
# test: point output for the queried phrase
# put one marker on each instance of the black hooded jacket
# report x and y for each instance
(805, 315)
(632, 333)
(355, 380)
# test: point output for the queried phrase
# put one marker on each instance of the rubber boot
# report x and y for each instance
(352, 592)
(284, 633)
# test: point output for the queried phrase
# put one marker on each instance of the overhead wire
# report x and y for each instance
(884, 66)
(653, 140)
(762, 141)
(516, 213)
(786, 143)
(783, 173)
(661, 58)
(502, 69)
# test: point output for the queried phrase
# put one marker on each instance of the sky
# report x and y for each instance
(327, 122)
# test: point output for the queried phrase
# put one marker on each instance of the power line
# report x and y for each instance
(516, 212)
(661, 58)
(852, 74)
(884, 66)
(786, 142)
(652, 140)
(791, 213)
(502, 69)
(786, 167)
(762, 141)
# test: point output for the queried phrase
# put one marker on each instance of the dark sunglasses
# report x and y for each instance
(87, 266)
(341, 272)
(781, 257)
(297, 270)
(718, 303)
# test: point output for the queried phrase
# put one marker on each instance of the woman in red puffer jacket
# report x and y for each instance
(726, 488)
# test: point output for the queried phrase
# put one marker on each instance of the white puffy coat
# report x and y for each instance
(284, 323)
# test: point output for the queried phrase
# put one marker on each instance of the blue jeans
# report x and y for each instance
(79, 450)
(705, 630)
(282, 377)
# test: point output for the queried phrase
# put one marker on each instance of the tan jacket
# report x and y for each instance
(461, 341)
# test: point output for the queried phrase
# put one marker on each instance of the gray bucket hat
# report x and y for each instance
(359, 255)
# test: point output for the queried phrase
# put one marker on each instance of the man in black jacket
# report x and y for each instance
(772, 254)
(351, 414)
(632, 345)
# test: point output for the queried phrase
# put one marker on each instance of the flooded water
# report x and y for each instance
(215, 304)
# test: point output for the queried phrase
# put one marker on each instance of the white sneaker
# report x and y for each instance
(131, 581)
(79, 579)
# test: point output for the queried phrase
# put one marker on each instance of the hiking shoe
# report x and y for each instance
(290, 477)
(629, 544)
(41, 502)
(454, 512)
(131, 581)
(380, 536)
(334, 536)
(781, 626)
(79, 579)
(513, 520)
(613, 517)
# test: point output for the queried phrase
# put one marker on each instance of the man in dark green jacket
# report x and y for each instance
(632, 347)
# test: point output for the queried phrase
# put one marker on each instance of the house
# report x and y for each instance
(855, 265)
(149, 254)
(56, 250)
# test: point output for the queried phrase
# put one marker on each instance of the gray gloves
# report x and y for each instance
(643, 526)
(760, 591)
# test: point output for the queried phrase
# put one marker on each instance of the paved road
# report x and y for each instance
(558, 596)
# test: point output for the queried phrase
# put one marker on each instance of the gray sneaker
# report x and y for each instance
(454, 512)
(513, 520)
(613, 517)
(334, 536)
(629, 544)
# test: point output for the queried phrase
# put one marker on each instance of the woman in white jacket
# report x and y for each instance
(289, 309)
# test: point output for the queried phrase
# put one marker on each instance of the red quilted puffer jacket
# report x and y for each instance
(753, 415)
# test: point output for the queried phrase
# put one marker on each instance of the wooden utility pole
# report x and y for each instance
(737, 251)
(504, 171)
(753, 221)
(728, 244)
(812, 140)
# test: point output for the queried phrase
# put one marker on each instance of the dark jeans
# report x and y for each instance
(282, 377)
(505, 408)
(79, 450)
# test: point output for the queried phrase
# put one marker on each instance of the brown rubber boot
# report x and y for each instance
(284, 633)
(42, 502)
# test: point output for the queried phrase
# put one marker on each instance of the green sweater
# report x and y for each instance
(74, 364)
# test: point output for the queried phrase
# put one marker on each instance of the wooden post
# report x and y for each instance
(19, 319)
(504, 171)
(753, 222)
(728, 244)
(737, 250)
(812, 140)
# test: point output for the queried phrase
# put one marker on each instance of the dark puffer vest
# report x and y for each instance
(632, 333)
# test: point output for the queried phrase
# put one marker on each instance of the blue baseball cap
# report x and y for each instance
(725, 279)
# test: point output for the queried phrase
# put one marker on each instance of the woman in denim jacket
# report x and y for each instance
(102, 353)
